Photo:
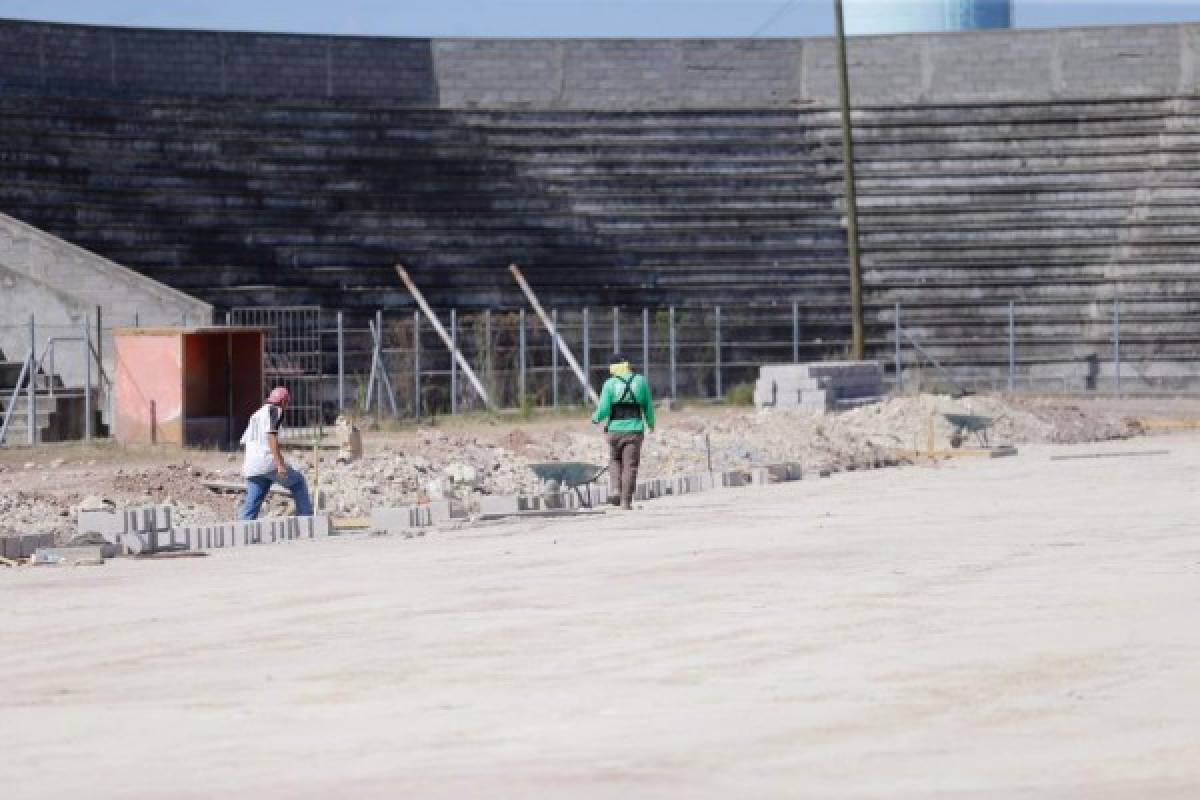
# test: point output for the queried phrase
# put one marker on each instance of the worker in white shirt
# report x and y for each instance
(264, 463)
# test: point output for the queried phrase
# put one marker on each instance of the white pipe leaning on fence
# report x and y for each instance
(558, 340)
(445, 337)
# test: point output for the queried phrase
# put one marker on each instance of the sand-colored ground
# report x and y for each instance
(1010, 628)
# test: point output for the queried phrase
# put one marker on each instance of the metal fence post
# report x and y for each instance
(380, 360)
(87, 379)
(616, 337)
(554, 360)
(453, 361)
(646, 342)
(489, 366)
(671, 346)
(717, 348)
(795, 332)
(341, 356)
(899, 367)
(31, 396)
(1117, 343)
(521, 358)
(587, 346)
(417, 364)
(1012, 346)
(99, 348)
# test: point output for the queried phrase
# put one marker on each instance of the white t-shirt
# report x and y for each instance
(259, 460)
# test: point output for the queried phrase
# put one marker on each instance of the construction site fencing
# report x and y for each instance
(395, 365)
(703, 353)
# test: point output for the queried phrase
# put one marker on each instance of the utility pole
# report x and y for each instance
(858, 348)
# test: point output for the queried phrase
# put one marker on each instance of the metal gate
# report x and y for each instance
(292, 359)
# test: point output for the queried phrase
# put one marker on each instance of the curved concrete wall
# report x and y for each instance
(1027, 65)
(59, 284)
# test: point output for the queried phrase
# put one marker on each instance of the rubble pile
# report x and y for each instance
(430, 464)
(33, 512)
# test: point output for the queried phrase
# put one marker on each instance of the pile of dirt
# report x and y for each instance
(180, 486)
(34, 512)
(738, 438)
(428, 463)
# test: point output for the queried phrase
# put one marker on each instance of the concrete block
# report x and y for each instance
(136, 543)
(440, 512)
(148, 518)
(499, 505)
(10, 547)
(777, 473)
(22, 546)
(109, 524)
(72, 556)
(30, 543)
(395, 520)
(557, 501)
(597, 495)
(735, 478)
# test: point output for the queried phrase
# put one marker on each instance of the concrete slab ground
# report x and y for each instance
(1010, 628)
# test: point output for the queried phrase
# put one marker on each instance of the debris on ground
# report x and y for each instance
(467, 460)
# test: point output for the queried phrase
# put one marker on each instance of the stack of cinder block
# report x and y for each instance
(245, 533)
(403, 518)
(149, 529)
(819, 386)
(135, 530)
(20, 546)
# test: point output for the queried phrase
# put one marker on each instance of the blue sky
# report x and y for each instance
(544, 17)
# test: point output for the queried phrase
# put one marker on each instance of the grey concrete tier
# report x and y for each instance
(1056, 204)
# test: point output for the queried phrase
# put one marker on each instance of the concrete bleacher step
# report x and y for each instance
(279, 202)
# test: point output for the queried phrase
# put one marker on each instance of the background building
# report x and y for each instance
(916, 16)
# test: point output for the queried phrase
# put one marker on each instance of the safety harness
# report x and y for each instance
(627, 406)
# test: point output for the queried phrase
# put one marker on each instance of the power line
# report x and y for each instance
(771, 20)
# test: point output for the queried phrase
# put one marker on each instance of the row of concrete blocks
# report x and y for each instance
(500, 506)
(19, 547)
(416, 516)
(490, 507)
(149, 529)
(818, 386)
(231, 534)
(112, 524)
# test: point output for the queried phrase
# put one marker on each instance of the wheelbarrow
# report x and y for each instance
(965, 424)
(573, 475)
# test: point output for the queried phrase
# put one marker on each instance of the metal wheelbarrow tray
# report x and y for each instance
(573, 475)
(965, 424)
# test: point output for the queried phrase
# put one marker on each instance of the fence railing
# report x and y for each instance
(1107, 345)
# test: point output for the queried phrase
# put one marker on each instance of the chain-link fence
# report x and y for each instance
(394, 364)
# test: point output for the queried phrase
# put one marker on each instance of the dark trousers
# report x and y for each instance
(624, 454)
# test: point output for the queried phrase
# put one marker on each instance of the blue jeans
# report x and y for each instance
(257, 487)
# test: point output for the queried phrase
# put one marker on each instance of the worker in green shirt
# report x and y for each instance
(627, 409)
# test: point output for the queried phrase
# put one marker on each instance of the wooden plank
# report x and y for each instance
(351, 523)
(1115, 454)
(233, 488)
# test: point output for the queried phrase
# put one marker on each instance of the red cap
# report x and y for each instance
(280, 396)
